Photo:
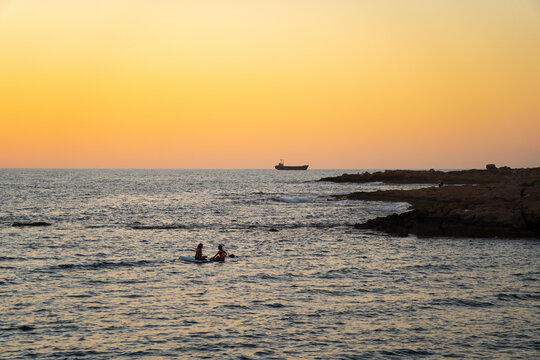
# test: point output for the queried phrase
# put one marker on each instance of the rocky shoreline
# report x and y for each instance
(502, 202)
(491, 174)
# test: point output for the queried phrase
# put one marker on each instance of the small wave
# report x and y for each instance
(242, 226)
(75, 354)
(133, 296)
(10, 258)
(80, 296)
(510, 297)
(233, 306)
(275, 305)
(291, 181)
(530, 276)
(97, 226)
(340, 292)
(406, 352)
(316, 225)
(431, 267)
(461, 302)
(292, 226)
(338, 273)
(101, 265)
(397, 207)
(157, 227)
(295, 199)
(265, 276)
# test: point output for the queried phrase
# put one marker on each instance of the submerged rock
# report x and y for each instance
(26, 327)
(37, 223)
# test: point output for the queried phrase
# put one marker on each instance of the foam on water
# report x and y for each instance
(104, 280)
(296, 199)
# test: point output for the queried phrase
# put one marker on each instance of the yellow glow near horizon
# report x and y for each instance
(241, 84)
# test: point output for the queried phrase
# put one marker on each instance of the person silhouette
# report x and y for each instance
(198, 253)
(220, 255)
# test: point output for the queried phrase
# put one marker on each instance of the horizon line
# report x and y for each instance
(166, 168)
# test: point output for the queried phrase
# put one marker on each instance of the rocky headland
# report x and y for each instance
(491, 174)
(493, 202)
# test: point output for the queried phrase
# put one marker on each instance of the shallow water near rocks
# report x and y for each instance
(105, 281)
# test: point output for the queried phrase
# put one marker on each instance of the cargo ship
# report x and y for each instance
(282, 166)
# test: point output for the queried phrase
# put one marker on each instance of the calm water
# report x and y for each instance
(104, 281)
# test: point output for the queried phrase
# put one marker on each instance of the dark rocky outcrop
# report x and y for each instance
(494, 210)
(37, 223)
(506, 204)
(492, 174)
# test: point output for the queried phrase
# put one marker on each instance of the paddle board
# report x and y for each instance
(193, 260)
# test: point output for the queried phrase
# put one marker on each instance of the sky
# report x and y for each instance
(345, 84)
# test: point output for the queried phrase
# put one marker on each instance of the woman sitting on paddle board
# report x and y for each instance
(221, 254)
(198, 253)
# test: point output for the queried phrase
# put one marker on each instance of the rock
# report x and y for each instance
(488, 176)
(38, 223)
(25, 327)
(491, 210)
(496, 202)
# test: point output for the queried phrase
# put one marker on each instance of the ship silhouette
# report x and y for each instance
(282, 166)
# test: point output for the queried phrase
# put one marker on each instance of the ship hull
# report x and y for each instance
(283, 167)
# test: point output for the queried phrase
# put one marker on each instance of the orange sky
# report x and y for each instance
(241, 84)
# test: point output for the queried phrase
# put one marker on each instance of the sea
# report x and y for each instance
(104, 280)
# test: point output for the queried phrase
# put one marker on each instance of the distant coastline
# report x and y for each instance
(495, 202)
